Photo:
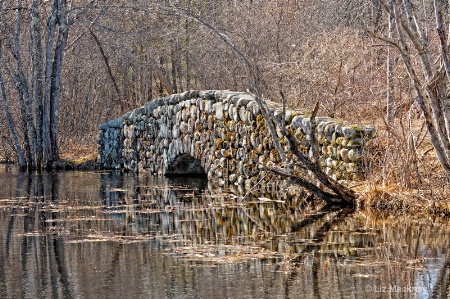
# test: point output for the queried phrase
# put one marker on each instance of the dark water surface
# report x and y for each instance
(112, 235)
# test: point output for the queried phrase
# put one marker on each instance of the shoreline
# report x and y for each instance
(374, 199)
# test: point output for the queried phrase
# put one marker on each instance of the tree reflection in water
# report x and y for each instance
(84, 234)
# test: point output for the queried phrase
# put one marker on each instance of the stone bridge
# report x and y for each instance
(223, 135)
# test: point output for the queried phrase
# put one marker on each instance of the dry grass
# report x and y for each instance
(391, 199)
(78, 156)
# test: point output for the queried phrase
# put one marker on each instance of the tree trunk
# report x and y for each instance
(21, 87)
(38, 79)
(12, 126)
(56, 76)
(47, 113)
(389, 100)
(174, 63)
(186, 51)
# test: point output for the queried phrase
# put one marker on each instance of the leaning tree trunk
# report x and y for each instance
(12, 126)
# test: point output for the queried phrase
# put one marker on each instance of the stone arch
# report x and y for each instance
(222, 134)
(185, 164)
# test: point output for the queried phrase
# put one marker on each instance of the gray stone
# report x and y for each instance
(149, 137)
(333, 139)
(223, 162)
(329, 129)
(209, 107)
(288, 116)
(207, 94)
(191, 124)
(297, 122)
(351, 167)
(348, 132)
(163, 131)
(344, 154)
(354, 155)
(183, 128)
(232, 112)
(244, 99)
(218, 108)
(193, 112)
(277, 115)
(306, 125)
(279, 132)
(254, 108)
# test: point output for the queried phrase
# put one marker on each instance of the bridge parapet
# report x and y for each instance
(223, 134)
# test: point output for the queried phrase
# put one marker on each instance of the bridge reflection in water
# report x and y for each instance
(83, 235)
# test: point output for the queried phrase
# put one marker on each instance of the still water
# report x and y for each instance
(113, 235)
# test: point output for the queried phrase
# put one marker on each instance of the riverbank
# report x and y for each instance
(88, 162)
(391, 201)
(77, 157)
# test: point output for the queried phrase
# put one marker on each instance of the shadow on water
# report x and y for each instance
(86, 234)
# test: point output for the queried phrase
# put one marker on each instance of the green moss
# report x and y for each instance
(358, 130)
(352, 143)
(340, 140)
(85, 159)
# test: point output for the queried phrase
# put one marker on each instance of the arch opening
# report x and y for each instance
(185, 164)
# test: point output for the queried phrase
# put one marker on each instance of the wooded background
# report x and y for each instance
(68, 66)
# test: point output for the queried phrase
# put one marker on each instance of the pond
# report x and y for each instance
(114, 235)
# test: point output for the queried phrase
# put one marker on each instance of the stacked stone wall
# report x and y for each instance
(227, 134)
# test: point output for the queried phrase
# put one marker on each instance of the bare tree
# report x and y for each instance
(420, 50)
(36, 73)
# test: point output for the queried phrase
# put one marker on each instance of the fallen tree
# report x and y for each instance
(339, 193)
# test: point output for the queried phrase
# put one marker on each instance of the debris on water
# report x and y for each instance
(264, 199)
(117, 190)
